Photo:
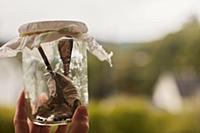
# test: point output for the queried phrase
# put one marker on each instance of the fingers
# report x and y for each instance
(20, 118)
(34, 128)
(39, 129)
(61, 129)
(42, 99)
(80, 122)
(44, 129)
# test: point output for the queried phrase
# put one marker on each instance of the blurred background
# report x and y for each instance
(154, 84)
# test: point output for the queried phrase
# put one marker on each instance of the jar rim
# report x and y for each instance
(63, 26)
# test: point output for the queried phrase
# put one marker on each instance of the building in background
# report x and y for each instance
(171, 89)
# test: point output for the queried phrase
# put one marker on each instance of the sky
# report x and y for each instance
(107, 20)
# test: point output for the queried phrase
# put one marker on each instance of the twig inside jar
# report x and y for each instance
(64, 97)
(46, 61)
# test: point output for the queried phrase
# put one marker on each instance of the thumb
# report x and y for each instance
(20, 118)
(80, 122)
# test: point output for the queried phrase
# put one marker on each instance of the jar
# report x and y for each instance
(54, 64)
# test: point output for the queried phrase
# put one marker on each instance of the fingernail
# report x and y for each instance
(20, 113)
(21, 99)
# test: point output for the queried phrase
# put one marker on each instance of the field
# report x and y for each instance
(126, 115)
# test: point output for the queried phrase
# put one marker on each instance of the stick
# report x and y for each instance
(65, 49)
(46, 61)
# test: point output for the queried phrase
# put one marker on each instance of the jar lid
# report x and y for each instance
(64, 27)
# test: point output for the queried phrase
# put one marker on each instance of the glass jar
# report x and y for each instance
(55, 73)
(54, 64)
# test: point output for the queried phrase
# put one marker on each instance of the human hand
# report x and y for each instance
(79, 122)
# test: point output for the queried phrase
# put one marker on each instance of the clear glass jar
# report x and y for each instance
(55, 84)
(54, 64)
(55, 79)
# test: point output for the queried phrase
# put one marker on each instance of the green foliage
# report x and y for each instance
(6, 120)
(136, 67)
(126, 115)
(133, 115)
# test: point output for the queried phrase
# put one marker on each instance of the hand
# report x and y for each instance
(79, 122)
